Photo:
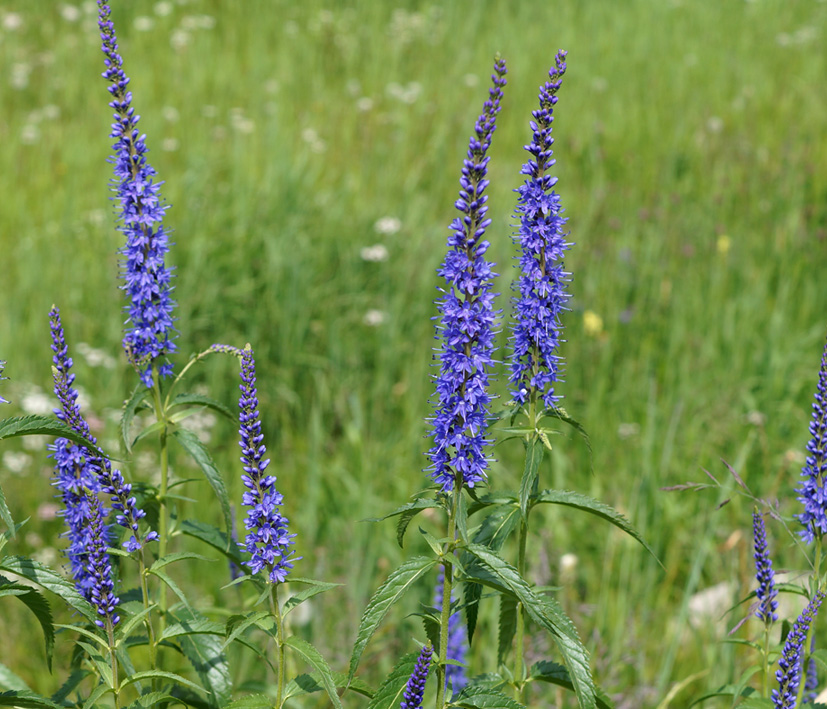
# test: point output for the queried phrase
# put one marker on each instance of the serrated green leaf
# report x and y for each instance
(52, 581)
(205, 652)
(9, 680)
(484, 698)
(36, 425)
(554, 673)
(96, 694)
(38, 605)
(178, 556)
(26, 698)
(389, 593)
(314, 590)
(171, 584)
(185, 399)
(308, 683)
(237, 628)
(492, 500)
(390, 692)
(820, 656)
(507, 627)
(130, 409)
(152, 699)
(592, 506)
(462, 518)
(124, 630)
(544, 612)
(318, 663)
(148, 431)
(199, 453)
(528, 483)
(72, 682)
(160, 674)
(200, 626)
(433, 542)
(100, 662)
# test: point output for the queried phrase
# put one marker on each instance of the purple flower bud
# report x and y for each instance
(415, 688)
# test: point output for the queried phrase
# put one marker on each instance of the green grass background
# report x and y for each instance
(682, 127)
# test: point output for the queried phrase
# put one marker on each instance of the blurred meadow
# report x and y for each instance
(311, 153)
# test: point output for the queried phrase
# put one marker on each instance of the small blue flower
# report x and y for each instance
(457, 648)
(147, 278)
(77, 468)
(467, 317)
(789, 666)
(812, 492)
(415, 688)
(766, 591)
(268, 538)
(542, 282)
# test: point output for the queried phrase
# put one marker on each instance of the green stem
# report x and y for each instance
(519, 642)
(181, 374)
(276, 611)
(447, 585)
(163, 511)
(113, 660)
(150, 630)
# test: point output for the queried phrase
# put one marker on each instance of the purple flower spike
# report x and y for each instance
(147, 279)
(415, 689)
(268, 540)
(2, 367)
(457, 648)
(813, 492)
(766, 591)
(78, 468)
(789, 672)
(467, 318)
(98, 566)
(542, 282)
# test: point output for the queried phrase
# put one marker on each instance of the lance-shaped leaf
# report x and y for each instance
(38, 605)
(26, 698)
(9, 680)
(554, 673)
(213, 536)
(196, 636)
(389, 593)
(507, 626)
(199, 453)
(52, 581)
(543, 611)
(484, 698)
(308, 683)
(559, 413)
(204, 401)
(318, 663)
(592, 506)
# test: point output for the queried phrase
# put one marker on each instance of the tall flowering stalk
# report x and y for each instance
(466, 324)
(86, 468)
(788, 694)
(467, 318)
(147, 278)
(764, 574)
(415, 688)
(542, 282)
(813, 491)
(268, 539)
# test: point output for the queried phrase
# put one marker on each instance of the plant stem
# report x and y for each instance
(113, 661)
(163, 511)
(150, 630)
(276, 611)
(447, 585)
